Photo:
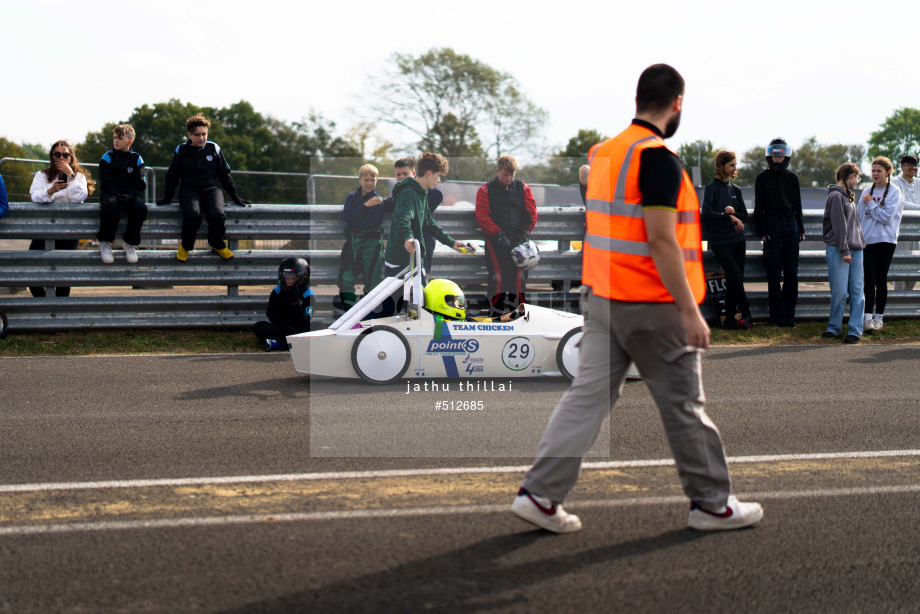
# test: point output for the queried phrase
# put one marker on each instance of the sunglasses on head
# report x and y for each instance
(64, 155)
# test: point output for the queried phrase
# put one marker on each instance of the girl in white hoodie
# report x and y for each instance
(880, 210)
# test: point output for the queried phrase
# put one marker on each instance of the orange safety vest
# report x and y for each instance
(617, 264)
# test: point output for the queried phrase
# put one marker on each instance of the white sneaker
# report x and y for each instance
(544, 513)
(736, 516)
(130, 254)
(868, 323)
(877, 323)
(105, 252)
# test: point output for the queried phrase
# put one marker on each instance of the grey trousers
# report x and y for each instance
(651, 335)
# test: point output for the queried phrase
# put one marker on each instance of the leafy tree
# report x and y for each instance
(816, 164)
(96, 144)
(751, 164)
(446, 99)
(160, 128)
(702, 154)
(562, 166)
(577, 149)
(515, 121)
(246, 137)
(17, 176)
(361, 135)
(35, 151)
(897, 136)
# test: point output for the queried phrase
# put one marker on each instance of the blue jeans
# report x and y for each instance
(845, 279)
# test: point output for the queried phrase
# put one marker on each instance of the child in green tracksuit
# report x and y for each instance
(363, 250)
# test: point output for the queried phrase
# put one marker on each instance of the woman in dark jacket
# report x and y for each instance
(723, 215)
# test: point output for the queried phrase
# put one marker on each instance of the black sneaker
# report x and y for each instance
(851, 339)
(828, 335)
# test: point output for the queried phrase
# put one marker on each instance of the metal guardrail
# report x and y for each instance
(158, 268)
(60, 221)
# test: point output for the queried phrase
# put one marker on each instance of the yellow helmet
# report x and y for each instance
(446, 298)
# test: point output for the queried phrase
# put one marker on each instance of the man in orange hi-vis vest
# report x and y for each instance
(644, 270)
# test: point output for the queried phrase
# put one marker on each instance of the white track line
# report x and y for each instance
(412, 512)
(390, 473)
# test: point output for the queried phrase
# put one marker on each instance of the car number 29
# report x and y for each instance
(518, 353)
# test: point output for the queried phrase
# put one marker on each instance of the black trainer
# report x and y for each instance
(851, 339)
(828, 335)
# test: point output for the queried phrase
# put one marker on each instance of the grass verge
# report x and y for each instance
(195, 341)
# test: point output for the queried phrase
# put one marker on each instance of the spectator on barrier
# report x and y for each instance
(723, 215)
(778, 217)
(123, 187)
(64, 181)
(910, 196)
(507, 213)
(405, 167)
(4, 201)
(290, 305)
(363, 249)
(583, 173)
(845, 243)
(880, 209)
(203, 169)
(412, 218)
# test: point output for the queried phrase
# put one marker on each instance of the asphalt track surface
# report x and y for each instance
(186, 483)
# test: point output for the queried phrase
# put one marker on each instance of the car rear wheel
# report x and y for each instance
(380, 355)
(567, 353)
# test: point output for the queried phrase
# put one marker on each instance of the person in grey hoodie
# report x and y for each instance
(845, 244)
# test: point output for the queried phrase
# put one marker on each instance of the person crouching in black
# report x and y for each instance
(290, 305)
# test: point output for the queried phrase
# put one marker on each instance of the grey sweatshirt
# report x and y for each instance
(841, 222)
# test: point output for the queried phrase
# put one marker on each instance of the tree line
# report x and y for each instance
(816, 163)
(447, 102)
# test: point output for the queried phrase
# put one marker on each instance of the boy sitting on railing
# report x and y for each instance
(123, 185)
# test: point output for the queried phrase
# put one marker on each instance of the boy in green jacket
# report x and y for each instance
(411, 216)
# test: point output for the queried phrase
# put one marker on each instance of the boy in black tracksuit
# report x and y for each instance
(203, 169)
(123, 188)
(778, 216)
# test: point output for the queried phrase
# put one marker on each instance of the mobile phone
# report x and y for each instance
(62, 177)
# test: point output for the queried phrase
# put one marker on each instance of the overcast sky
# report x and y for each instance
(754, 70)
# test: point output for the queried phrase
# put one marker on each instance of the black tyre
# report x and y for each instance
(567, 353)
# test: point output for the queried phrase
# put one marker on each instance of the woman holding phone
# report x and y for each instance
(64, 181)
(880, 210)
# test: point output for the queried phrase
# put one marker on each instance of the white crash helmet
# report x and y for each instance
(526, 255)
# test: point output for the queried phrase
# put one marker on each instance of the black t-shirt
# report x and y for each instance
(660, 173)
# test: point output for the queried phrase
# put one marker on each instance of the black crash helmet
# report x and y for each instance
(295, 269)
(778, 147)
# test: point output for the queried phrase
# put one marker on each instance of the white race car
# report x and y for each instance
(539, 342)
